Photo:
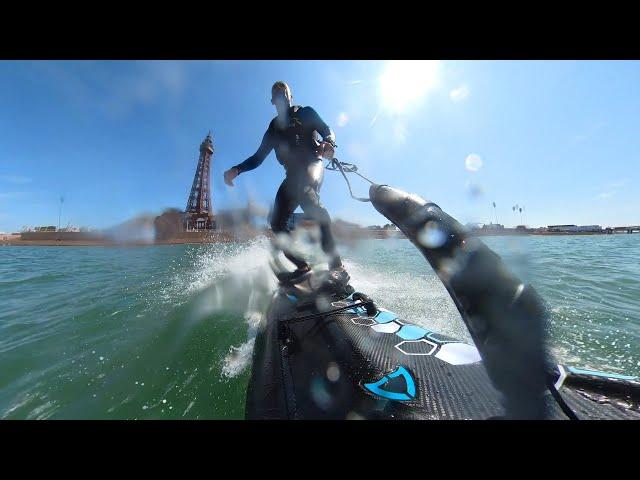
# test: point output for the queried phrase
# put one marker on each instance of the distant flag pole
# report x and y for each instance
(60, 211)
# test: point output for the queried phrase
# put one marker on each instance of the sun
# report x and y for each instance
(404, 83)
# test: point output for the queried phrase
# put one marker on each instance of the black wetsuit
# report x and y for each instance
(294, 140)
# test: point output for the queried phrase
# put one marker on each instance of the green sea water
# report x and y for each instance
(167, 332)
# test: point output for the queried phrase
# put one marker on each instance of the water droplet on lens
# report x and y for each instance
(333, 372)
(431, 235)
(473, 163)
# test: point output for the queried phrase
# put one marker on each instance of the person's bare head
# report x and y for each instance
(281, 96)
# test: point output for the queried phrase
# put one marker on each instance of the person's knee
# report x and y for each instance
(278, 224)
(323, 216)
(317, 212)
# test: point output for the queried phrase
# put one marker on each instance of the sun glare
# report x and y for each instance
(405, 83)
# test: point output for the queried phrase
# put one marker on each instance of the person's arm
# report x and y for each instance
(321, 127)
(257, 158)
(327, 148)
(253, 161)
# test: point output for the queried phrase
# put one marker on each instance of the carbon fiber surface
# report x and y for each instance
(348, 365)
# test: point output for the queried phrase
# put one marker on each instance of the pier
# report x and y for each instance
(629, 229)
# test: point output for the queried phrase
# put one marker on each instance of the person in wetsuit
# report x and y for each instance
(293, 134)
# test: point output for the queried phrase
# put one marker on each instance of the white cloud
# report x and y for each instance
(605, 195)
(611, 188)
(618, 183)
(153, 81)
(460, 93)
(590, 133)
(118, 92)
(15, 179)
(11, 195)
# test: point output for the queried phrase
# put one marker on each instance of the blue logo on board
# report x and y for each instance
(410, 387)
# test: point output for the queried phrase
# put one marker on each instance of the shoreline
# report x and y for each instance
(229, 238)
(547, 234)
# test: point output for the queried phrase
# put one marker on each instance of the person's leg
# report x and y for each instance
(284, 205)
(309, 200)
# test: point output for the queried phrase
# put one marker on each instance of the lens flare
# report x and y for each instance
(473, 163)
(406, 82)
(343, 119)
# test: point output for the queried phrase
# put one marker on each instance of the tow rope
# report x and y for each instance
(344, 168)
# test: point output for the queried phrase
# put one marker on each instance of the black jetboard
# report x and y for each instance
(321, 354)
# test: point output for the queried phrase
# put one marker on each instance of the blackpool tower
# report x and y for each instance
(198, 214)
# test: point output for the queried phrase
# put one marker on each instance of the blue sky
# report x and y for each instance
(120, 138)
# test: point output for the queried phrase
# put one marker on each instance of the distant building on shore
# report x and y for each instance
(574, 228)
(53, 228)
(498, 229)
(492, 226)
(346, 230)
(388, 226)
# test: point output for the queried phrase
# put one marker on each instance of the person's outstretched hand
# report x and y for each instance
(325, 150)
(229, 175)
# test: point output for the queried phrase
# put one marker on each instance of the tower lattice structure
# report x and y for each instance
(198, 213)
